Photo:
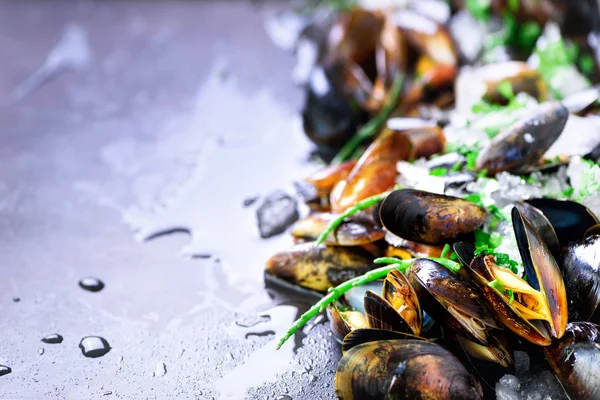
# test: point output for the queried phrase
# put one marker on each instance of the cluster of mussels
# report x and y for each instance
(445, 319)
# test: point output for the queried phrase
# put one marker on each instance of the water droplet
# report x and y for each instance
(248, 201)
(91, 284)
(53, 338)
(283, 397)
(161, 370)
(94, 346)
(40, 351)
(4, 370)
(16, 299)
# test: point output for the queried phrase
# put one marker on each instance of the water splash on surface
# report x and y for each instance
(265, 363)
(264, 151)
(71, 52)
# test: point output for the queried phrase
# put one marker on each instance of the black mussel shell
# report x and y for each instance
(429, 218)
(465, 252)
(502, 307)
(570, 219)
(319, 267)
(330, 116)
(521, 145)
(381, 314)
(575, 359)
(403, 369)
(452, 300)
(360, 336)
(580, 266)
(542, 271)
(542, 226)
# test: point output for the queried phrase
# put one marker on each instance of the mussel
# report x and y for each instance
(538, 309)
(580, 266)
(397, 309)
(403, 369)
(323, 182)
(330, 117)
(452, 300)
(542, 226)
(375, 171)
(428, 217)
(319, 267)
(569, 219)
(484, 82)
(355, 231)
(521, 145)
(575, 358)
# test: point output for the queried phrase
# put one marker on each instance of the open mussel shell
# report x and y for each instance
(575, 359)
(400, 294)
(382, 315)
(344, 322)
(569, 219)
(542, 271)
(354, 231)
(428, 217)
(405, 249)
(580, 266)
(452, 300)
(504, 311)
(543, 275)
(319, 267)
(360, 336)
(521, 145)
(497, 351)
(542, 226)
(403, 369)
(465, 252)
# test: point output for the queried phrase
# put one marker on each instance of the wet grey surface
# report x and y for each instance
(159, 117)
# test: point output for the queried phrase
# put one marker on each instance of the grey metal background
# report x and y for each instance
(129, 144)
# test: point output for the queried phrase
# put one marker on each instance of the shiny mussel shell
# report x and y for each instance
(428, 217)
(403, 369)
(542, 271)
(581, 271)
(543, 276)
(575, 359)
(398, 291)
(542, 226)
(319, 267)
(570, 219)
(452, 300)
(375, 171)
(360, 336)
(330, 116)
(522, 144)
(354, 231)
(504, 311)
(344, 322)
